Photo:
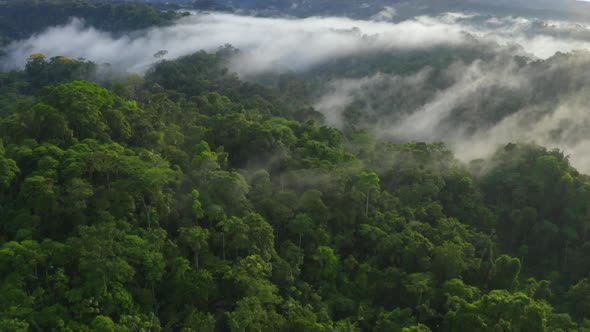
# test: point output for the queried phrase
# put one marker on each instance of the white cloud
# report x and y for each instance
(386, 14)
(286, 44)
(267, 43)
(458, 114)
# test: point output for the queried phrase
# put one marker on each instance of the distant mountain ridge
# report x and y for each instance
(367, 8)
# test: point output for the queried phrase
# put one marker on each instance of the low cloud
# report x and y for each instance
(283, 44)
(484, 105)
(266, 43)
(386, 14)
(402, 93)
(564, 126)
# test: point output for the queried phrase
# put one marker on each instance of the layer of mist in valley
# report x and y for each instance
(475, 77)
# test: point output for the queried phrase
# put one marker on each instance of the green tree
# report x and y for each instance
(368, 181)
(195, 238)
(505, 272)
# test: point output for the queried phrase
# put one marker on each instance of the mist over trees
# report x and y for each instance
(190, 197)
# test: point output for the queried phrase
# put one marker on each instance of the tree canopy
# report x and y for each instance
(189, 200)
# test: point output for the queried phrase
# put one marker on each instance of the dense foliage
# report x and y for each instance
(21, 18)
(187, 200)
